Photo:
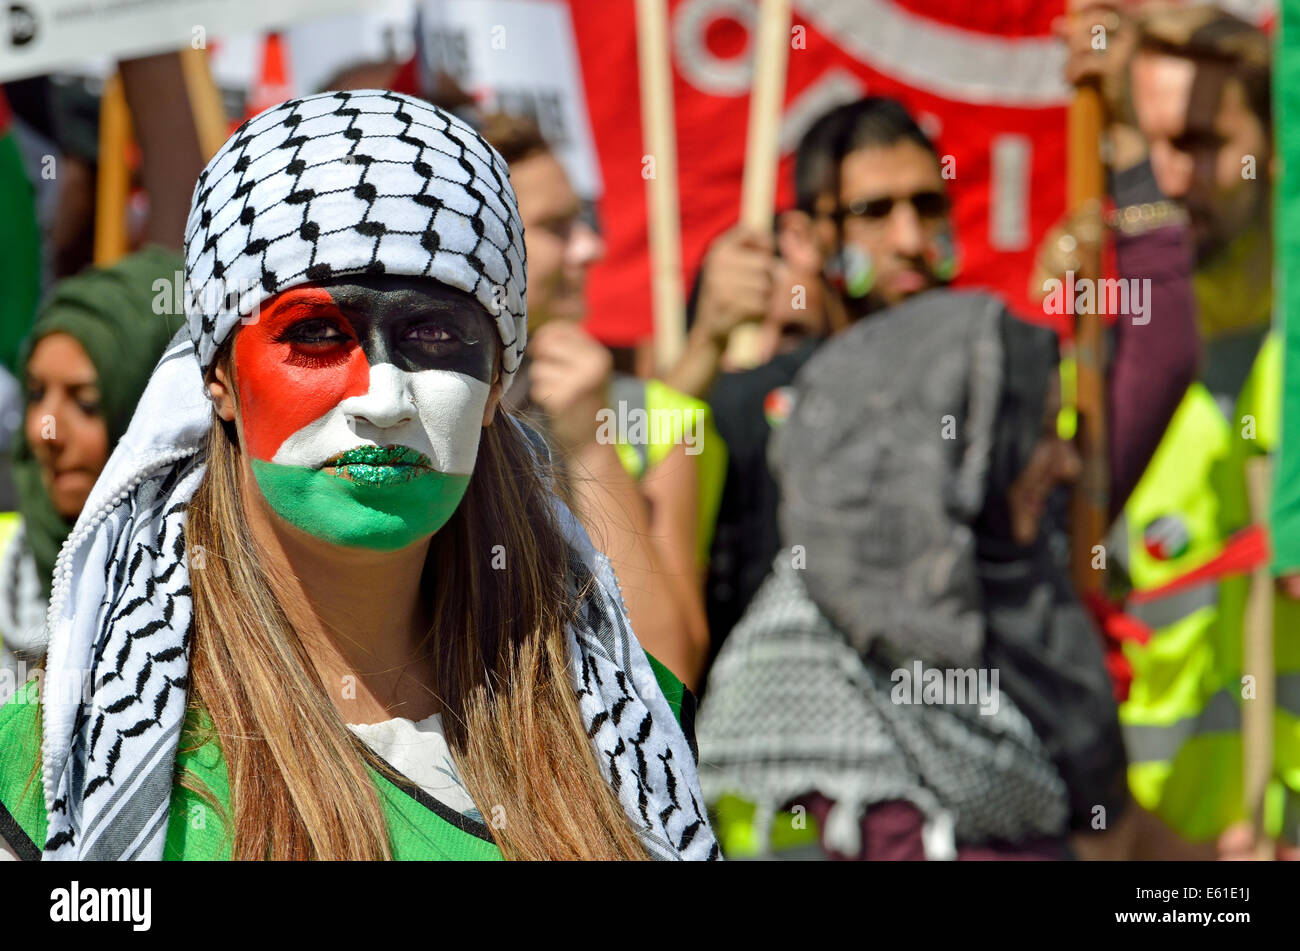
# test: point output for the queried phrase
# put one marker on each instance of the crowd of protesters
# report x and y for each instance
(818, 548)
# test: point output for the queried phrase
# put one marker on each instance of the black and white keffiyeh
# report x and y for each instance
(368, 182)
(390, 185)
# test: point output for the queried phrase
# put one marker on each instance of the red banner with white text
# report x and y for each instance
(985, 79)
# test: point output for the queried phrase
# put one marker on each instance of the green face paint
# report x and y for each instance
(384, 513)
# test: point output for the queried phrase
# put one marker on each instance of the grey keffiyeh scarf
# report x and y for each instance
(366, 183)
(894, 466)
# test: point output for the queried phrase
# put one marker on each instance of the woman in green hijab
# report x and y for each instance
(83, 368)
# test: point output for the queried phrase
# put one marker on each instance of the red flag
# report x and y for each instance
(985, 79)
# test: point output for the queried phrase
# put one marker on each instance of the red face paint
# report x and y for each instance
(284, 385)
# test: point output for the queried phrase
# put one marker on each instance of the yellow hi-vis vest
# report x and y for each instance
(1182, 718)
(672, 418)
(9, 522)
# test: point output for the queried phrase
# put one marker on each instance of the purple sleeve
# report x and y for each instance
(1156, 351)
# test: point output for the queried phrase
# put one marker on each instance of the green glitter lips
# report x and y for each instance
(380, 465)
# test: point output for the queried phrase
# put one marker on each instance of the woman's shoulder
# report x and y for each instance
(195, 829)
(196, 822)
(17, 703)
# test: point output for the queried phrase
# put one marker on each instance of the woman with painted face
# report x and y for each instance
(85, 363)
(342, 602)
(916, 670)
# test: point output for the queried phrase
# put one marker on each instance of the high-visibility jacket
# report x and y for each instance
(678, 418)
(1182, 718)
(9, 524)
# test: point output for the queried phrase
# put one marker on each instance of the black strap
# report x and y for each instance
(464, 823)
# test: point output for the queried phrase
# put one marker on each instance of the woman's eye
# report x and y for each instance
(431, 335)
(560, 227)
(319, 332)
(316, 343)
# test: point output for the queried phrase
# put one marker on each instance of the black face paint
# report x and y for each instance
(417, 325)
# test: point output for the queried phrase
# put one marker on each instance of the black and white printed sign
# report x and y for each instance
(41, 36)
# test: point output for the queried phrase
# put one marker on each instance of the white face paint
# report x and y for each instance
(438, 413)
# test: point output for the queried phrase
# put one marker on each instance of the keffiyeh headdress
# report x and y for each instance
(348, 183)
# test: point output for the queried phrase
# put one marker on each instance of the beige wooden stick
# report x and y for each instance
(205, 101)
(113, 182)
(1257, 661)
(113, 187)
(1085, 190)
(762, 147)
(659, 168)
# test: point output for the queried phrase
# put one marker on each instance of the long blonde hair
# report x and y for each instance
(298, 779)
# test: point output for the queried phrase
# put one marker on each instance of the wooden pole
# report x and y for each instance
(1257, 661)
(113, 185)
(660, 135)
(1090, 507)
(205, 101)
(762, 147)
(167, 90)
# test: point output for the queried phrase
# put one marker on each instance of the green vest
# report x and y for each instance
(677, 418)
(1182, 719)
(420, 827)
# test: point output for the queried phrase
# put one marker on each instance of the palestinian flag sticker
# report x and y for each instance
(777, 405)
(1166, 538)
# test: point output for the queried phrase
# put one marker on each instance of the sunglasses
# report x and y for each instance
(927, 204)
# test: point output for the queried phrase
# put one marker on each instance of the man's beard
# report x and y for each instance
(859, 307)
(1209, 241)
(1214, 233)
